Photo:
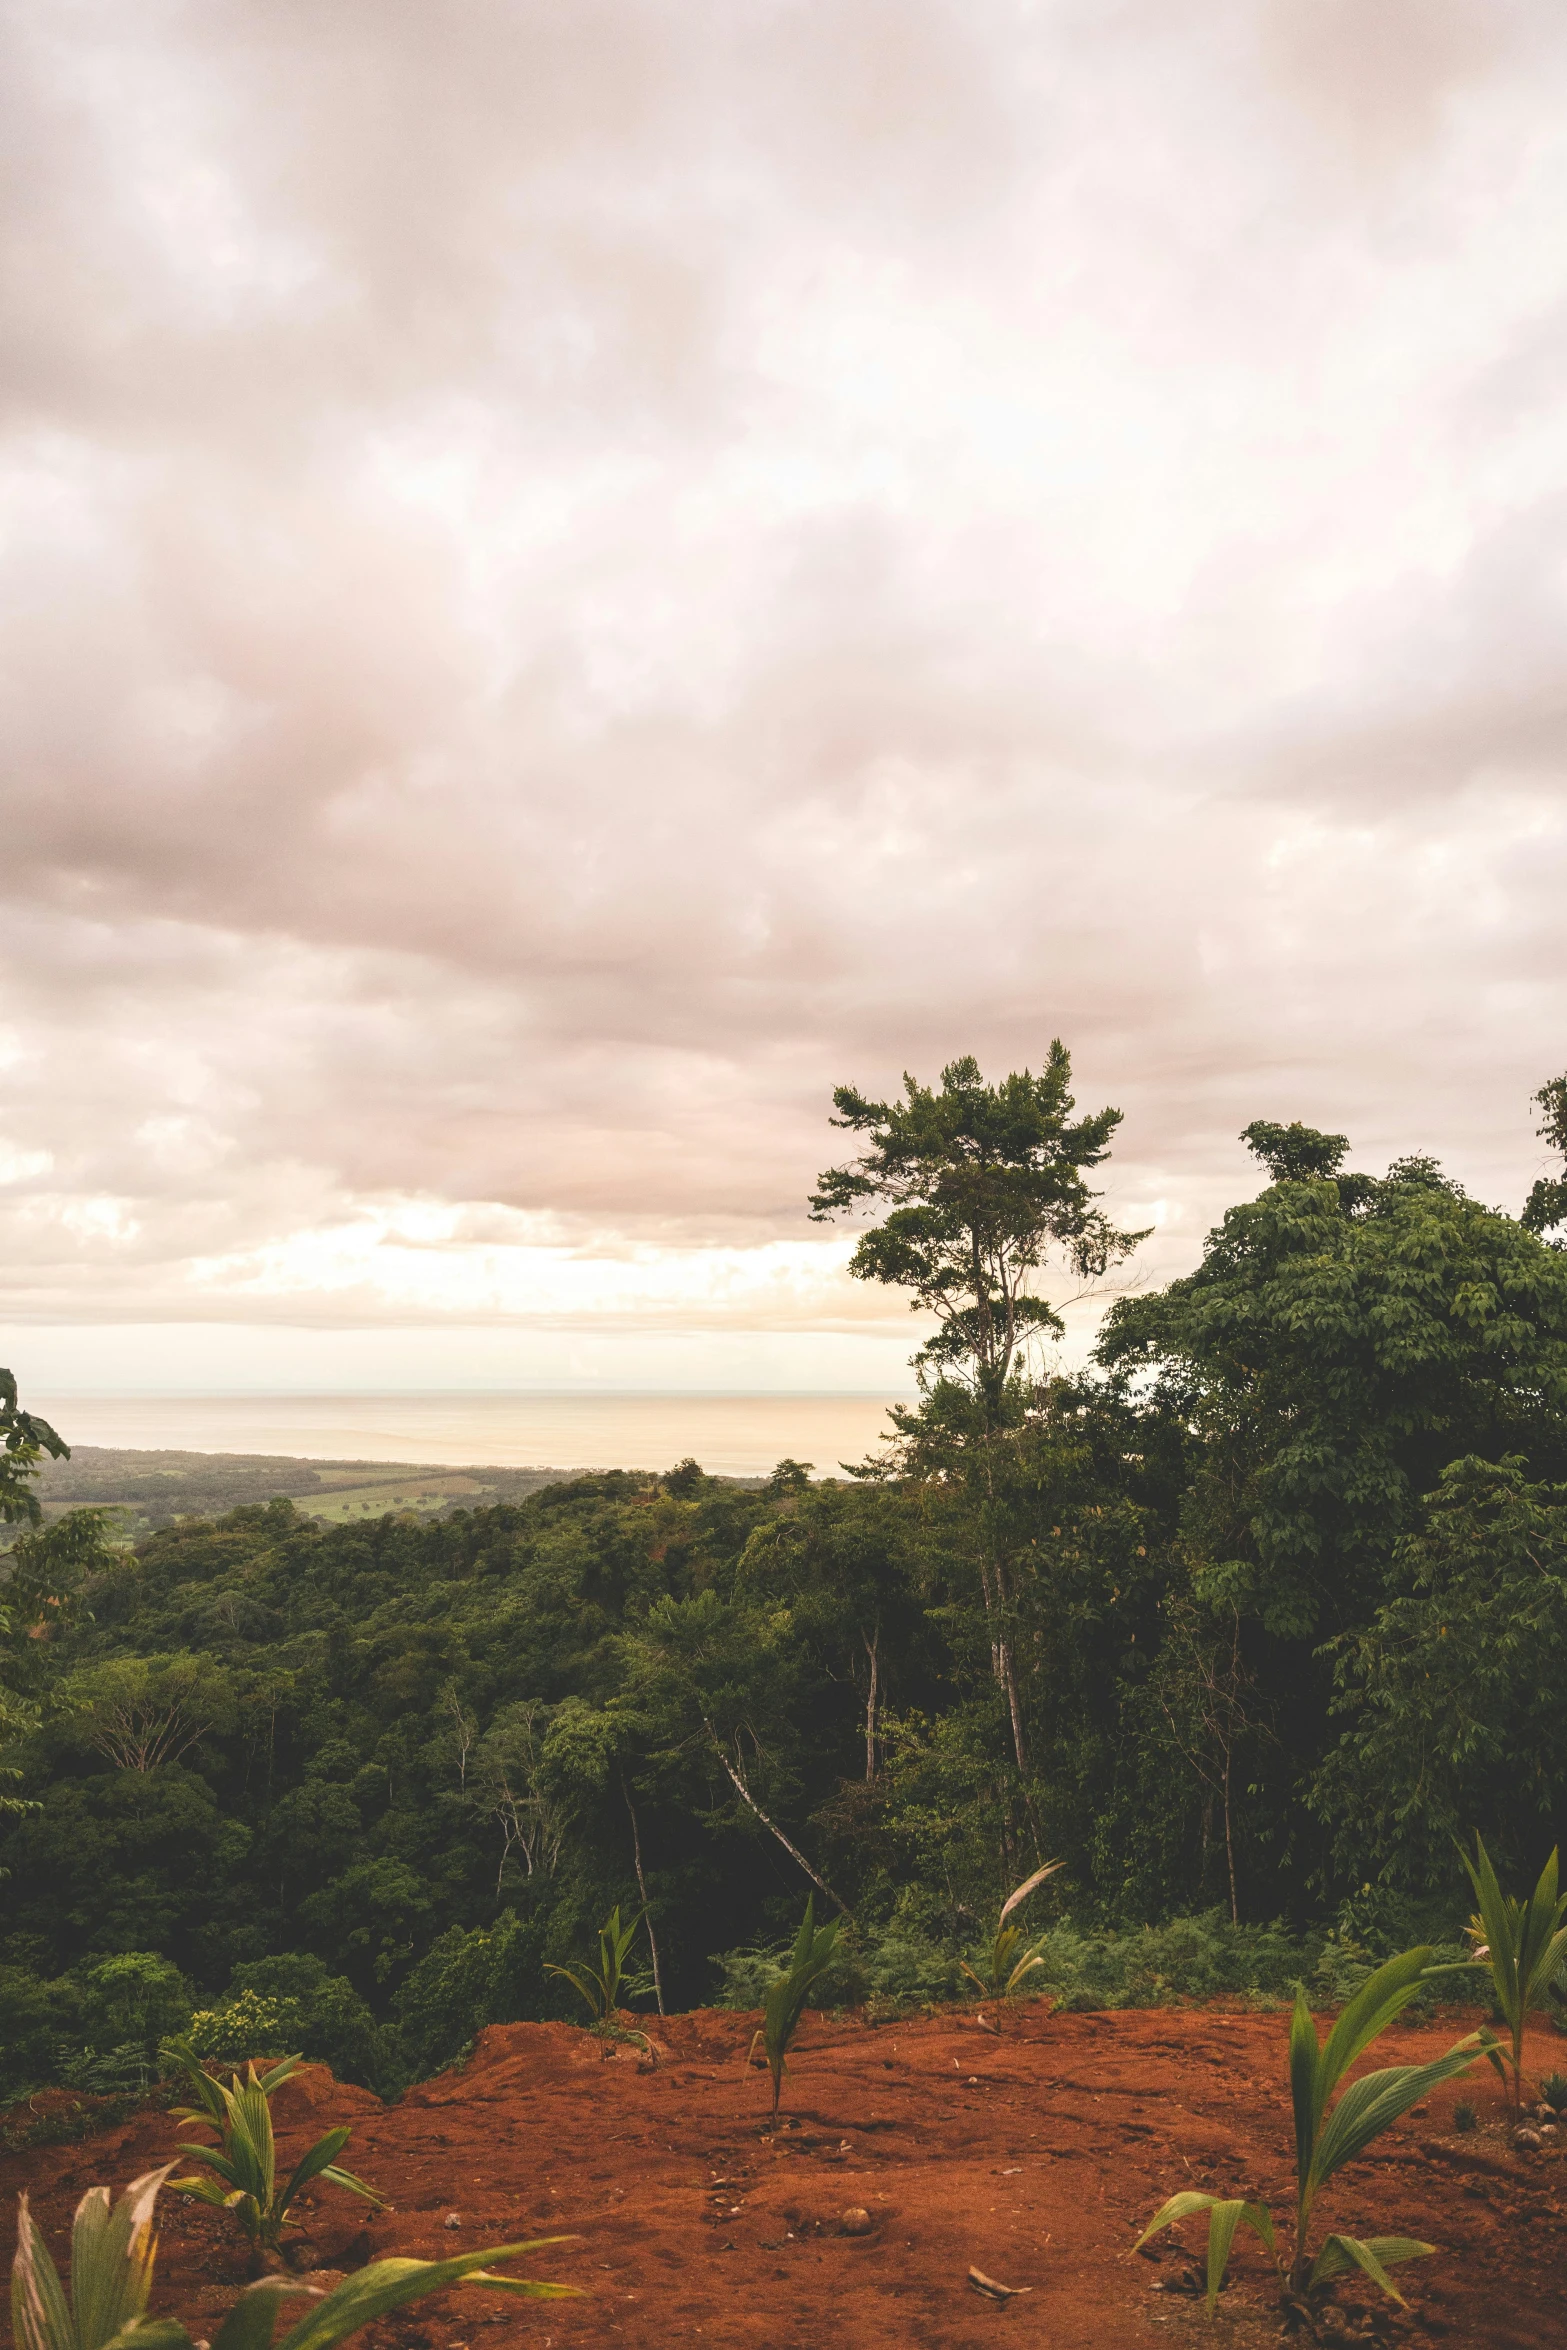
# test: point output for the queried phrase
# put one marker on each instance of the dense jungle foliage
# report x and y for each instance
(1244, 1625)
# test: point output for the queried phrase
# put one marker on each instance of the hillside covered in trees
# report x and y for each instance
(1250, 1620)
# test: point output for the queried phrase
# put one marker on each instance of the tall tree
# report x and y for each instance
(1343, 1340)
(1546, 1206)
(1452, 1691)
(976, 1186)
(24, 1439)
(979, 1183)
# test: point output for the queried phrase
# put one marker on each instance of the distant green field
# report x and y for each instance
(147, 1490)
(428, 1493)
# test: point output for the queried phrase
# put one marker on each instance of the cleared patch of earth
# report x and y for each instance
(1034, 2156)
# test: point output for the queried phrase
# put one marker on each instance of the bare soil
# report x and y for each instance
(1034, 2156)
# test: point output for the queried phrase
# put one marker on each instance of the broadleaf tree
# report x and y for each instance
(977, 1186)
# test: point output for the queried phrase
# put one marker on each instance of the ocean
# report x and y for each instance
(730, 1435)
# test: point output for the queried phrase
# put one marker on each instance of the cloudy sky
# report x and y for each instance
(571, 576)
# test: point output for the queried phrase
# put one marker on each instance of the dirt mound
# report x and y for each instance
(1033, 2157)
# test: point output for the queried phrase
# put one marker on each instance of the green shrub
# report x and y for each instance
(39, 2014)
(469, 1979)
(1205, 1957)
(898, 1967)
(603, 1986)
(1202, 1957)
(238, 2028)
(274, 2005)
(318, 2012)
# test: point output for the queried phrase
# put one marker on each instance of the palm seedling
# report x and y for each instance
(784, 2003)
(600, 1987)
(244, 2164)
(1325, 2140)
(113, 2248)
(1523, 1943)
(1008, 1962)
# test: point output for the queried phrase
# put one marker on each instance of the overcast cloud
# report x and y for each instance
(571, 576)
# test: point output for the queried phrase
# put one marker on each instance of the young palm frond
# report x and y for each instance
(786, 1996)
(1325, 2140)
(1004, 1968)
(244, 2163)
(1523, 1943)
(600, 1987)
(113, 2249)
(1006, 1965)
(112, 2252)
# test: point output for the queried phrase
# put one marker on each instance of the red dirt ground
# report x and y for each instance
(1034, 2156)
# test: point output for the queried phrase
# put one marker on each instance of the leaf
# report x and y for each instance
(1304, 2084)
(280, 2072)
(202, 2191)
(1179, 2207)
(317, 2159)
(1374, 2255)
(591, 1997)
(157, 2333)
(336, 2177)
(213, 2160)
(40, 2315)
(1380, 2000)
(1022, 1892)
(112, 2252)
(1369, 2105)
(387, 2284)
(250, 2323)
(1226, 2218)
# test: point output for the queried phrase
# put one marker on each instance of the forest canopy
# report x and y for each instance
(1253, 1618)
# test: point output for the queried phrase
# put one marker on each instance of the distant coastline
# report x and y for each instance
(731, 1434)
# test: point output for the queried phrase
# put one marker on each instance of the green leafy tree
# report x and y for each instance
(24, 1439)
(134, 1999)
(718, 1683)
(1449, 1693)
(25, 1608)
(1341, 1343)
(842, 1565)
(1546, 1206)
(977, 1186)
(1335, 1355)
(140, 1713)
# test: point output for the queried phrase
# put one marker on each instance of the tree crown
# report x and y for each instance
(980, 1182)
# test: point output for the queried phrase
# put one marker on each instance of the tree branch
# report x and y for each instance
(772, 1827)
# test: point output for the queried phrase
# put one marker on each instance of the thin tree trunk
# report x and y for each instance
(772, 1827)
(872, 1648)
(992, 1573)
(1229, 1843)
(647, 1914)
(1231, 1700)
(1015, 1707)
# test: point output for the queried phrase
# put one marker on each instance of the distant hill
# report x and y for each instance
(153, 1489)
